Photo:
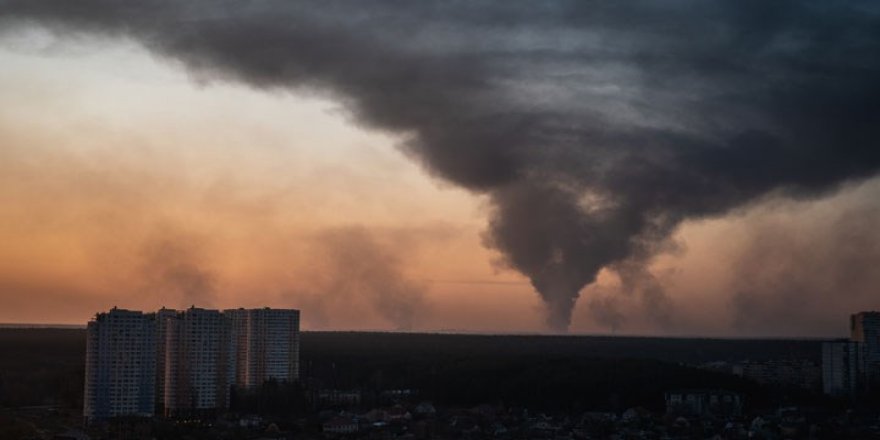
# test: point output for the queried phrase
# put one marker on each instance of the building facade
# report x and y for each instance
(843, 368)
(183, 363)
(266, 345)
(798, 373)
(120, 371)
(238, 328)
(198, 367)
(162, 317)
(702, 403)
(865, 328)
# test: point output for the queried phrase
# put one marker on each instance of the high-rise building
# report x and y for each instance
(266, 345)
(865, 328)
(198, 369)
(183, 363)
(239, 339)
(843, 368)
(120, 365)
(162, 317)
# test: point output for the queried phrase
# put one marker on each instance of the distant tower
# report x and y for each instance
(198, 368)
(162, 318)
(865, 328)
(120, 365)
(239, 339)
(266, 345)
(843, 368)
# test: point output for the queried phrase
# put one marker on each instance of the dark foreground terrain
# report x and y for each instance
(43, 366)
(569, 375)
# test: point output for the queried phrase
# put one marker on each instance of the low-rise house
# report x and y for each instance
(339, 397)
(704, 403)
(425, 409)
(340, 425)
(72, 434)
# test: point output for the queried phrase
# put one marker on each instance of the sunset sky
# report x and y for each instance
(133, 174)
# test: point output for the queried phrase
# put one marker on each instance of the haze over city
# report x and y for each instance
(457, 166)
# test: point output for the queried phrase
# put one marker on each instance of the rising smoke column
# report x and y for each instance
(357, 262)
(173, 264)
(594, 128)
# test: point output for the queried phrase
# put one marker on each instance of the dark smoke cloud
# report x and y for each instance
(606, 311)
(353, 262)
(636, 280)
(795, 278)
(636, 294)
(594, 127)
(173, 268)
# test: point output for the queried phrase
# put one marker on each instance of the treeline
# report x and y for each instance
(538, 382)
(676, 350)
(41, 367)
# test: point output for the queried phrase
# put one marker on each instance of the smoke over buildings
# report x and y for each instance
(173, 265)
(594, 129)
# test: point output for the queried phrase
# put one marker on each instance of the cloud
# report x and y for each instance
(173, 267)
(353, 264)
(594, 128)
(803, 270)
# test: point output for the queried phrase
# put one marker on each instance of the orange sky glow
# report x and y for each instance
(126, 182)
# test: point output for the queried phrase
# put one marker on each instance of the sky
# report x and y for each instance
(524, 168)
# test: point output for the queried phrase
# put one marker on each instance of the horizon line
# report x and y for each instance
(464, 332)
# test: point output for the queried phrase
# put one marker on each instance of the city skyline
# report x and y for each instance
(141, 169)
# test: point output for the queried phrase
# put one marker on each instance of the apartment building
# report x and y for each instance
(198, 368)
(120, 365)
(266, 345)
(183, 363)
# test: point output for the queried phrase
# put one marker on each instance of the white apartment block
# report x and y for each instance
(239, 339)
(197, 363)
(120, 365)
(162, 317)
(183, 363)
(266, 345)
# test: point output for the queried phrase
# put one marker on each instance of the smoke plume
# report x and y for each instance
(593, 127)
(352, 262)
(792, 278)
(172, 265)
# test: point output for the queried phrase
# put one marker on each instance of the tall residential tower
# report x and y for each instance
(198, 367)
(183, 363)
(266, 345)
(843, 368)
(120, 365)
(865, 328)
